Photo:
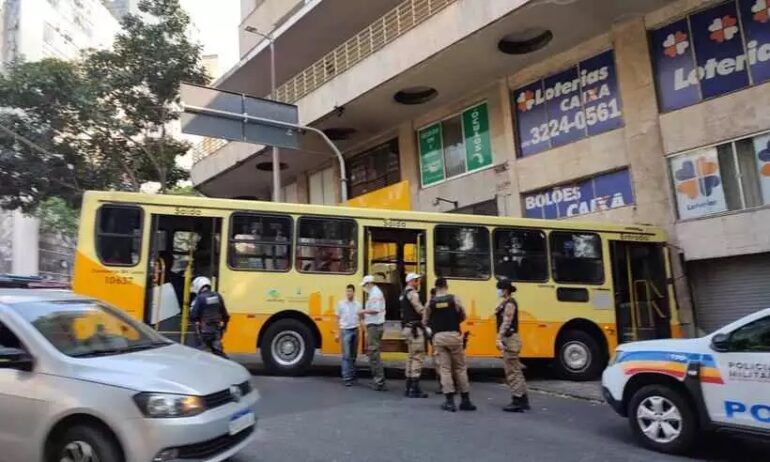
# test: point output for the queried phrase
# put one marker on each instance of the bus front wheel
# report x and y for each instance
(287, 347)
(578, 356)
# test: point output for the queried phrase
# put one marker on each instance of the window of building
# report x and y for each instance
(326, 245)
(119, 235)
(488, 208)
(462, 252)
(323, 187)
(730, 176)
(753, 337)
(374, 169)
(521, 255)
(576, 258)
(260, 242)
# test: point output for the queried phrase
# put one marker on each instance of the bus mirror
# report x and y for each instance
(720, 342)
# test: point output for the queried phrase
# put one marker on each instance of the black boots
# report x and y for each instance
(408, 391)
(518, 404)
(414, 391)
(465, 402)
(525, 402)
(449, 404)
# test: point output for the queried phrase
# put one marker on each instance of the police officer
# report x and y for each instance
(509, 342)
(444, 314)
(414, 332)
(209, 315)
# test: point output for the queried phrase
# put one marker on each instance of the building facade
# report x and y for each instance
(640, 111)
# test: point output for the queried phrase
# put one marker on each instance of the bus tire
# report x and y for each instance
(287, 347)
(578, 356)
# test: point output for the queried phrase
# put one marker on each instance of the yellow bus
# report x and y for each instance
(582, 287)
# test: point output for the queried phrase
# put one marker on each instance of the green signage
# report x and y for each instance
(431, 155)
(478, 149)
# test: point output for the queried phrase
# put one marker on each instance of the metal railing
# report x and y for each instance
(393, 24)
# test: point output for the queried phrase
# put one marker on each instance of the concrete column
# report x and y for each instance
(644, 143)
(408, 160)
(303, 192)
(508, 203)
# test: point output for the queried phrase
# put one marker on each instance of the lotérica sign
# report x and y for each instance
(712, 52)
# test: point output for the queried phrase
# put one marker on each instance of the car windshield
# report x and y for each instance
(88, 329)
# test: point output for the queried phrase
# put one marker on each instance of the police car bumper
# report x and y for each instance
(615, 404)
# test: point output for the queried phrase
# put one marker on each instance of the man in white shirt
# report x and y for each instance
(348, 312)
(374, 318)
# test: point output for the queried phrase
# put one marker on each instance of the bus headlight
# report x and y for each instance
(162, 405)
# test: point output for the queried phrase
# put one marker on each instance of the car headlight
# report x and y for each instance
(162, 405)
(615, 357)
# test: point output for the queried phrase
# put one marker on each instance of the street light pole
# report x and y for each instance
(275, 151)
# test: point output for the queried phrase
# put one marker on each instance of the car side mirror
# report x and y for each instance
(14, 358)
(720, 342)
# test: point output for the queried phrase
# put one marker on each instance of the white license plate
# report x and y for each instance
(241, 421)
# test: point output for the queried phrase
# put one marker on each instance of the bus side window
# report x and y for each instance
(577, 258)
(462, 252)
(260, 242)
(326, 245)
(119, 235)
(521, 254)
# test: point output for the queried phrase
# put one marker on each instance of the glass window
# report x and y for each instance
(521, 255)
(326, 245)
(260, 242)
(576, 258)
(729, 177)
(454, 146)
(753, 337)
(119, 235)
(462, 252)
(374, 169)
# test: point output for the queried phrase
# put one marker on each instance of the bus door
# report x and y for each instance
(642, 307)
(181, 249)
(391, 254)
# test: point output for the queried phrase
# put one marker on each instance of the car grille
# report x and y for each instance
(213, 447)
(223, 397)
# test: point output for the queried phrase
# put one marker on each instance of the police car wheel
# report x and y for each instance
(579, 356)
(287, 347)
(662, 419)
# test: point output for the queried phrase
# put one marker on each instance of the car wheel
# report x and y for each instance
(287, 347)
(84, 443)
(662, 419)
(578, 356)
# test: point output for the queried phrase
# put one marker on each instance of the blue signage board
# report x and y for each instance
(712, 52)
(578, 102)
(602, 192)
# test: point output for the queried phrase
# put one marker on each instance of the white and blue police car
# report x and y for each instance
(671, 390)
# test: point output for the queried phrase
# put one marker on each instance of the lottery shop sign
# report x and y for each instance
(712, 52)
(579, 102)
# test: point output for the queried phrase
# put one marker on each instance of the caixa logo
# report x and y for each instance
(757, 412)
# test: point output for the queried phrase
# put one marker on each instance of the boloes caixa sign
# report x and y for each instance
(712, 52)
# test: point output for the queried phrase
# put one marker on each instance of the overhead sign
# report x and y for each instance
(713, 52)
(602, 192)
(235, 126)
(579, 102)
(698, 184)
(476, 141)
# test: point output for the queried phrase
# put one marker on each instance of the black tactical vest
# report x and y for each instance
(210, 308)
(408, 313)
(501, 310)
(444, 316)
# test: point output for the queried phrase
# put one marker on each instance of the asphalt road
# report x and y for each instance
(315, 418)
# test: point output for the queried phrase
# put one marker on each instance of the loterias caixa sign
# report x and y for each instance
(712, 52)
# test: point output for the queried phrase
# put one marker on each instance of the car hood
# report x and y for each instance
(678, 345)
(170, 369)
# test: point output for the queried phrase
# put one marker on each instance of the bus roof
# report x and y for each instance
(366, 213)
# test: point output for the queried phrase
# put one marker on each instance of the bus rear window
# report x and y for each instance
(119, 235)
(326, 245)
(462, 252)
(577, 258)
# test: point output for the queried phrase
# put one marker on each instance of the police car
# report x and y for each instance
(671, 390)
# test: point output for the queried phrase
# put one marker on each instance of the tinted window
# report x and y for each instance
(753, 337)
(577, 258)
(326, 245)
(260, 242)
(521, 255)
(462, 252)
(118, 235)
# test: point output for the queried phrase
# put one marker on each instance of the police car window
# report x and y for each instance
(8, 339)
(326, 245)
(753, 337)
(521, 255)
(576, 258)
(462, 252)
(119, 235)
(260, 242)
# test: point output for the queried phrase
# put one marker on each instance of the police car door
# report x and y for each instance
(736, 383)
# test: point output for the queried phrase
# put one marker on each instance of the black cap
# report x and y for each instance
(504, 283)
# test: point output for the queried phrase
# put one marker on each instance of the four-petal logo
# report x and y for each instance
(675, 44)
(723, 29)
(761, 11)
(698, 178)
(526, 100)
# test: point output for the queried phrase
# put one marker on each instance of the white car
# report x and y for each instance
(671, 390)
(82, 382)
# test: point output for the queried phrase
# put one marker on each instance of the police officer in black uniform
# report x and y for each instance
(209, 315)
